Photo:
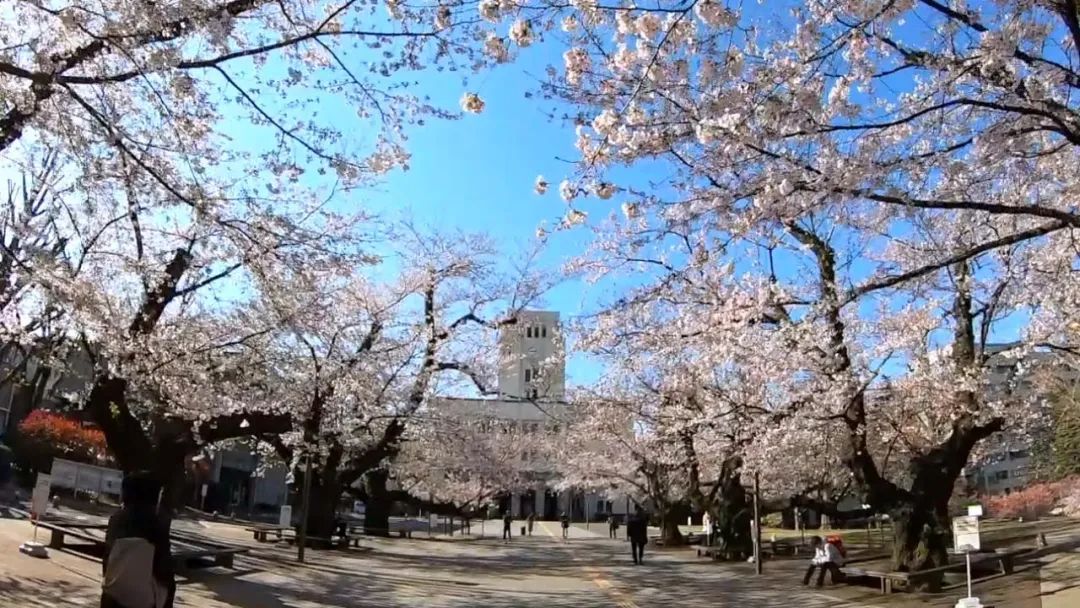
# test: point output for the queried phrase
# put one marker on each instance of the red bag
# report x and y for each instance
(838, 542)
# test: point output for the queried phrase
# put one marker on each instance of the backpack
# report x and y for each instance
(837, 542)
(129, 575)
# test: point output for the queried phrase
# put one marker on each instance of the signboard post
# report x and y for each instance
(39, 505)
(966, 539)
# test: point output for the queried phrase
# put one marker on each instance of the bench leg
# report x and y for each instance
(56, 539)
(225, 560)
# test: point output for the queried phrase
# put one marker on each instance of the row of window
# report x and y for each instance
(527, 427)
(536, 331)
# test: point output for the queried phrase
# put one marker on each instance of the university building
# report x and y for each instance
(532, 396)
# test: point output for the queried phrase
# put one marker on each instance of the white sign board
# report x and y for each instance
(86, 477)
(285, 516)
(39, 500)
(89, 480)
(111, 481)
(64, 473)
(966, 534)
(975, 510)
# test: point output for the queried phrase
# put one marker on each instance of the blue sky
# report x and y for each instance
(477, 174)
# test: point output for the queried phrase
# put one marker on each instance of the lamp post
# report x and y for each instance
(757, 526)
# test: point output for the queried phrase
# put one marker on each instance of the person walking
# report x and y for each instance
(529, 522)
(565, 525)
(828, 558)
(638, 532)
(507, 521)
(137, 564)
(613, 526)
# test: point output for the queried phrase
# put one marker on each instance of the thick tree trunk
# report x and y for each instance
(732, 515)
(322, 509)
(920, 540)
(669, 528)
(377, 505)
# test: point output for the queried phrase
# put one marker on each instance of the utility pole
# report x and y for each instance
(305, 502)
(757, 525)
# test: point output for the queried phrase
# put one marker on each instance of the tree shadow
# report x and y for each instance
(34, 592)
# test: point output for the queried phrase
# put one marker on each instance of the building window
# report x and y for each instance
(533, 393)
(528, 331)
(1017, 454)
(1001, 475)
(543, 331)
(528, 375)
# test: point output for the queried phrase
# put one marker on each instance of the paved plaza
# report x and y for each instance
(544, 571)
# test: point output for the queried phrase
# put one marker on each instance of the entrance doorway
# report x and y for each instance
(528, 503)
(551, 505)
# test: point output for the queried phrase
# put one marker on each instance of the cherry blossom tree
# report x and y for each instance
(896, 175)
(161, 88)
(171, 219)
(356, 360)
(457, 462)
(682, 396)
(796, 354)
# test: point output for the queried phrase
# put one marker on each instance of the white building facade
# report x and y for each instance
(1008, 464)
(532, 396)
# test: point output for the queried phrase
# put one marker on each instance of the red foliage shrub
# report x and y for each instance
(1031, 502)
(45, 435)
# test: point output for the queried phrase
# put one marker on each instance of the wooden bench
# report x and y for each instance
(58, 534)
(713, 552)
(222, 556)
(261, 533)
(888, 580)
(337, 541)
(785, 547)
(189, 548)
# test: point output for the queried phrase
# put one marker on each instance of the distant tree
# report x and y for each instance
(1058, 454)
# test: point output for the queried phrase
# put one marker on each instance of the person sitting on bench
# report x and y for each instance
(827, 557)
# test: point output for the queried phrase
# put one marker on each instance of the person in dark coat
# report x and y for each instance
(507, 521)
(613, 526)
(638, 532)
(138, 522)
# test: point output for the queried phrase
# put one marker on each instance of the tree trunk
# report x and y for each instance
(920, 541)
(168, 469)
(732, 515)
(377, 505)
(669, 528)
(322, 508)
